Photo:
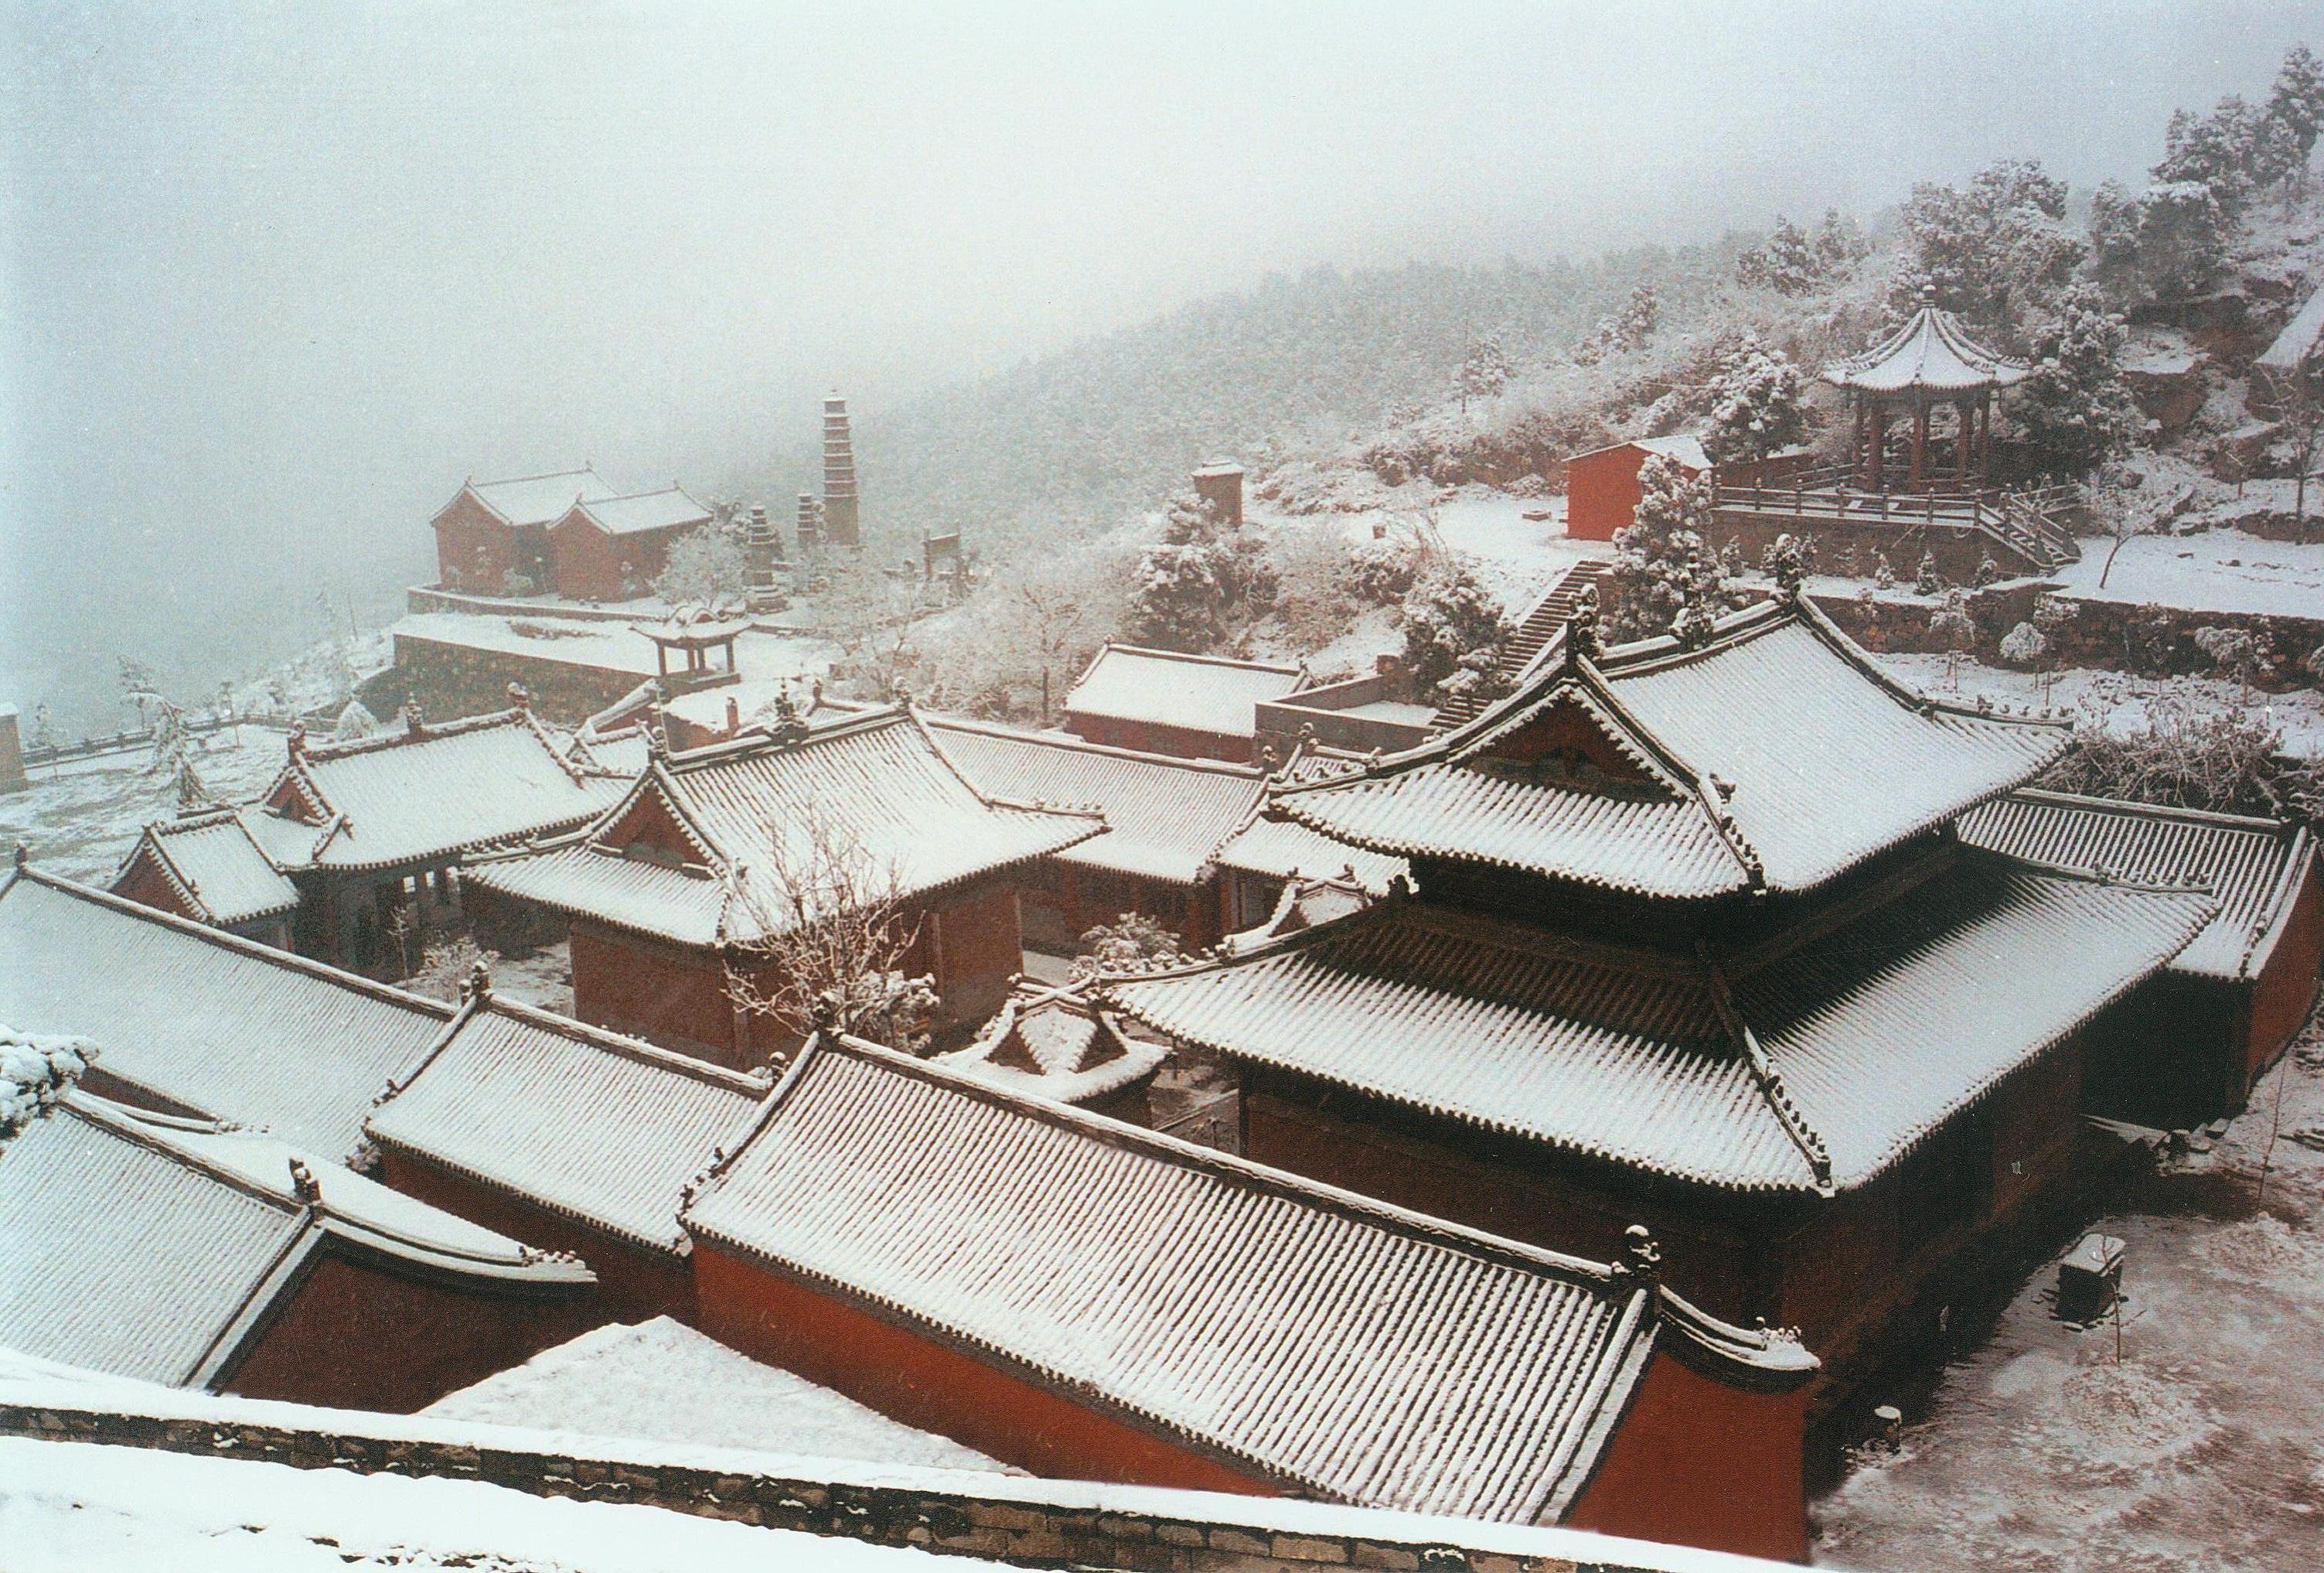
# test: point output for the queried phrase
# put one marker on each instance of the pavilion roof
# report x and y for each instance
(156, 1248)
(1051, 1041)
(1930, 353)
(872, 786)
(1165, 816)
(1307, 1335)
(2254, 868)
(597, 1127)
(203, 1020)
(1199, 693)
(416, 794)
(1806, 1064)
(221, 874)
(1776, 756)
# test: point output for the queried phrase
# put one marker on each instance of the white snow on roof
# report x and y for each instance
(1930, 352)
(541, 499)
(223, 868)
(1280, 848)
(1198, 693)
(661, 1381)
(2299, 339)
(664, 510)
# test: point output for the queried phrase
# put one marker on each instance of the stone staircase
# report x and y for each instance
(1539, 626)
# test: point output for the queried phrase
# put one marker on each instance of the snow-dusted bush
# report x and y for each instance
(1664, 573)
(36, 1070)
(353, 722)
(2234, 653)
(1188, 585)
(1485, 371)
(1452, 626)
(1786, 560)
(1381, 572)
(2023, 645)
(1955, 632)
(1133, 942)
(1754, 404)
(1884, 576)
(1926, 579)
(2192, 755)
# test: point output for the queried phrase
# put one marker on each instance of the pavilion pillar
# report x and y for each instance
(1874, 471)
(1964, 426)
(1861, 459)
(1920, 443)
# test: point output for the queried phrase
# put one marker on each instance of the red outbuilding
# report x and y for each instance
(492, 539)
(1601, 486)
(613, 548)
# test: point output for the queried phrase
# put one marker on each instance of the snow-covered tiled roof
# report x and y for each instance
(540, 499)
(221, 874)
(1050, 1042)
(1307, 1334)
(1195, 693)
(1930, 353)
(1165, 816)
(874, 785)
(1683, 448)
(1776, 756)
(1280, 848)
(410, 796)
(585, 1123)
(234, 1029)
(2253, 867)
(1867, 1034)
(154, 1248)
(2299, 338)
(668, 509)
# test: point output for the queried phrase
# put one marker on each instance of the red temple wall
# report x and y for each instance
(474, 550)
(2286, 986)
(1146, 737)
(930, 1385)
(1699, 1463)
(358, 1336)
(634, 1284)
(593, 565)
(143, 882)
(672, 994)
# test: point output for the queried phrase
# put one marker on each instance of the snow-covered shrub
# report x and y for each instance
(1176, 601)
(1484, 371)
(1955, 632)
(2192, 755)
(1133, 942)
(1786, 262)
(1786, 560)
(2073, 405)
(353, 722)
(1449, 617)
(2023, 645)
(1926, 579)
(1756, 406)
(1884, 576)
(2234, 653)
(1662, 565)
(1987, 572)
(1381, 572)
(705, 566)
(36, 1070)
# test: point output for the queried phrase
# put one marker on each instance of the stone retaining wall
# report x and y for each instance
(1023, 1522)
(452, 680)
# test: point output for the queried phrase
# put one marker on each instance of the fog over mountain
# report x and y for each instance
(277, 277)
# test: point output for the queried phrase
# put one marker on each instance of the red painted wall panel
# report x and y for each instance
(1601, 492)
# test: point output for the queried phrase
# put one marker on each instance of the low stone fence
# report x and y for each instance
(1024, 1521)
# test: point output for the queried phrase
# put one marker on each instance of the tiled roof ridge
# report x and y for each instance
(628, 1047)
(2133, 808)
(475, 489)
(1766, 1079)
(1066, 743)
(117, 1120)
(394, 737)
(272, 955)
(1819, 622)
(749, 744)
(1298, 669)
(149, 844)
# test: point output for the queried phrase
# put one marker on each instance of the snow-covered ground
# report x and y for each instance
(661, 1382)
(1520, 556)
(82, 818)
(2116, 700)
(2203, 1447)
(77, 1508)
(2210, 571)
(541, 978)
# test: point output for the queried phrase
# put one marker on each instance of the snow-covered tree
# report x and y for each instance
(1995, 249)
(1786, 560)
(2296, 105)
(2073, 405)
(1484, 371)
(1188, 585)
(1451, 616)
(1754, 404)
(2215, 150)
(1840, 242)
(1884, 575)
(1926, 579)
(2023, 645)
(1662, 565)
(1640, 316)
(1955, 632)
(705, 566)
(2236, 654)
(36, 1070)
(1133, 942)
(353, 722)
(1786, 262)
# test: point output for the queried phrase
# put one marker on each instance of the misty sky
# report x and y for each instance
(276, 277)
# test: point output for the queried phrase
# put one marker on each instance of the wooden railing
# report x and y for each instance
(2024, 521)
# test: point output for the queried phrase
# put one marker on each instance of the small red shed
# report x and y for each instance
(1601, 486)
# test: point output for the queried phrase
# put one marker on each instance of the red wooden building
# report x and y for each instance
(492, 539)
(367, 836)
(1601, 486)
(1084, 1299)
(2187, 1046)
(671, 886)
(1692, 940)
(613, 548)
(1157, 701)
(569, 1136)
(180, 1252)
